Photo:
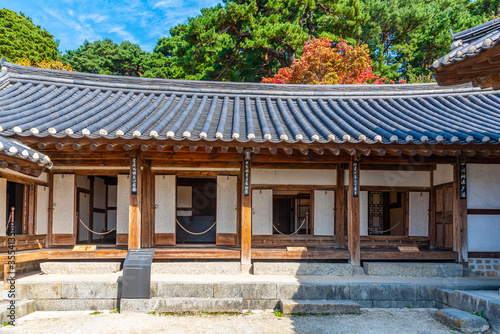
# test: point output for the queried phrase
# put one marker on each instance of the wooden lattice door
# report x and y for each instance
(444, 216)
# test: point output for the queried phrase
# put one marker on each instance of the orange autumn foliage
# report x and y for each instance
(322, 63)
(53, 65)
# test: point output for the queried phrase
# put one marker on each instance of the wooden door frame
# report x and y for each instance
(434, 211)
(77, 234)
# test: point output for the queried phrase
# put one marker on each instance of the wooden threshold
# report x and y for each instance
(393, 254)
(281, 254)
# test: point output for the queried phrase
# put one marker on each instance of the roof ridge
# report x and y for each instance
(215, 87)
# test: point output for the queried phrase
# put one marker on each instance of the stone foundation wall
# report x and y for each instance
(24, 267)
(485, 267)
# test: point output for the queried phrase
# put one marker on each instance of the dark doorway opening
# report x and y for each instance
(196, 210)
(291, 212)
(96, 209)
(15, 199)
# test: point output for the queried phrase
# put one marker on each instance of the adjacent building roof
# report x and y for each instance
(472, 53)
(43, 103)
(16, 149)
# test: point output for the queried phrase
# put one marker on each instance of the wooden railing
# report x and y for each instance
(293, 240)
(388, 241)
(24, 242)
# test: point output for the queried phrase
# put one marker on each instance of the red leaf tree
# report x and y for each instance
(322, 63)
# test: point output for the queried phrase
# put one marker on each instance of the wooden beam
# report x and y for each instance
(304, 151)
(335, 151)
(94, 146)
(127, 147)
(459, 217)
(425, 153)
(319, 151)
(76, 146)
(134, 227)
(288, 151)
(208, 149)
(110, 147)
(59, 146)
(160, 148)
(192, 148)
(246, 218)
(340, 206)
(396, 152)
(366, 152)
(42, 145)
(353, 231)
(256, 150)
(381, 152)
(177, 148)
(144, 147)
(224, 149)
(273, 150)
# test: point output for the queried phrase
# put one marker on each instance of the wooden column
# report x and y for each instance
(340, 205)
(353, 226)
(31, 209)
(49, 239)
(134, 212)
(246, 211)
(146, 190)
(459, 217)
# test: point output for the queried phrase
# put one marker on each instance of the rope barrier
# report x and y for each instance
(104, 233)
(297, 230)
(194, 233)
(392, 228)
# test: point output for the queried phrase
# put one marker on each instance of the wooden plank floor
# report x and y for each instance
(213, 252)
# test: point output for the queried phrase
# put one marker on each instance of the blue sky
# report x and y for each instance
(138, 21)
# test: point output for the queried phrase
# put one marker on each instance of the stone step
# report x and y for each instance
(290, 306)
(304, 268)
(462, 321)
(79, 268)
(409, 269)
(196, 268)
(179, 305)
(22, 308)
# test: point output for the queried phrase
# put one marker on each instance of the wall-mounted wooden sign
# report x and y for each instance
(246, 183)
(133, 181)
(463, 180)
(355, 179)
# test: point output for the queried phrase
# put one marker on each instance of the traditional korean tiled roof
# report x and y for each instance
(16, 149)
(57, 104)
(471, 42)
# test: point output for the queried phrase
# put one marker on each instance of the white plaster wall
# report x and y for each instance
(83, 181)
(42, 209)
(98, 224)
(394, 178)
(483, 186)
(227, 206)
(363, 213)
(262, 212)
(165, 197)
(64, 200)
(84, 209)
(324, 212)
(99, 193)
(112, 195)
(419, 214)
(294, 176)
(443, 174)
(483, 233)
(3, 207)
(122, 206)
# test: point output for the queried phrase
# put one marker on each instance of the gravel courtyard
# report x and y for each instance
(418, 321)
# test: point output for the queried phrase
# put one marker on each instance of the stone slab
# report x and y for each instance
(289, 306)
(410, 269)
(22, 308)
(79, 268)
(90, 290)
(305, 268)
(245, 290)
(196, 268)
(179, 290)
(313, 291)
(462, 321)
(75, 304)
(42, 290)
(179, 305)
(268, 304)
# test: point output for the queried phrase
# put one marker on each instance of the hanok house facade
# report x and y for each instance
(202, 170)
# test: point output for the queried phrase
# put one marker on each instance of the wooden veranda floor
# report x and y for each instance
(216, 252)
